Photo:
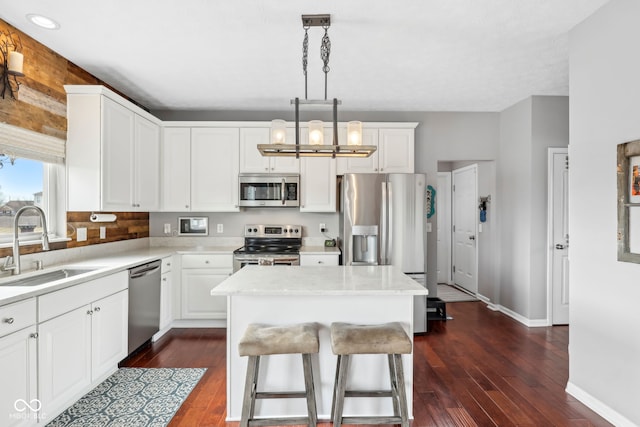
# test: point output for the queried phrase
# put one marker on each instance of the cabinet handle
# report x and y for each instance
(186, 206)
(33, 335)
(164, 279)
(89, 312)
(97, 309)
(375, 169)
(381, 169)
(168, 264)
(206, 262)
(319, 262)
(9, 320)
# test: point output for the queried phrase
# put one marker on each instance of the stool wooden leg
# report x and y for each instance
(402, 395)
(335, 388)
(250, 385)
(394, 384)
(341, 385)
(310, 390)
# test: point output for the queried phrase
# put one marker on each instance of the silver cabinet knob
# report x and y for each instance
(97, 309)
(472, 237)
(560, 246)
(8, 320)
(89, 312)
(33, 335)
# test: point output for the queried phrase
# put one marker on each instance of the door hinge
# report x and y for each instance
(454, 228)
(453, 187)
(453, 269)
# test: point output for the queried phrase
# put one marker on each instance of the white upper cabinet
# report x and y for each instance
(113, 153)
(200, 169)
(214, 169)
(251, 161)
(395, 153)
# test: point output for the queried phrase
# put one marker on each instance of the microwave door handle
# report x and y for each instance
(282, 188)
(382, 242)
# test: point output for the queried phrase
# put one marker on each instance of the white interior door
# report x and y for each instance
(559, 235)
(443, 210)
(465, 209)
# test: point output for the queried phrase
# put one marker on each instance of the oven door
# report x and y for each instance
(240, 261)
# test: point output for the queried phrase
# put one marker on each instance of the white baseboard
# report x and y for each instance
(189, 323)
(599, 407)
(531, 323)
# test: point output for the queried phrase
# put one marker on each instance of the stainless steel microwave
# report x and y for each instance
(269, 190)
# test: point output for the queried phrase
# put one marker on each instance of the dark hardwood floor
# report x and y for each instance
(479, 369)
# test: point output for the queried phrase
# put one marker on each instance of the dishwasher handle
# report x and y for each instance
(145, 270)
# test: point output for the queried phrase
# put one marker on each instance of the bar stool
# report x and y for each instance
(389, 338)
(263, 340)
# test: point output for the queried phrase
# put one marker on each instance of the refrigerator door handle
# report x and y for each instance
(389, 240)
(383, 225)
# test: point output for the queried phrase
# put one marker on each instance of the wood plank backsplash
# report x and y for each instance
(41, 106)
(128, 225)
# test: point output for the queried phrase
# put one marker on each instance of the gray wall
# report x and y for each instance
(604, 349)
(527, 130)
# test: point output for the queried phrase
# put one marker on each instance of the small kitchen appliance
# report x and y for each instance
(269, 245)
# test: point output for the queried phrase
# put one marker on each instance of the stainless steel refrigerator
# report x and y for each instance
(382, 222)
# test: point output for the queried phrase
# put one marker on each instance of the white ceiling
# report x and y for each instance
(402, 55)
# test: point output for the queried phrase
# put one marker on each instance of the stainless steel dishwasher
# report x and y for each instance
(144, 303)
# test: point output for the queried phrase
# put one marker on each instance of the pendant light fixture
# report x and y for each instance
(316, 146)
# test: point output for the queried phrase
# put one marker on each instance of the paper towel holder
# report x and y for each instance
(99, 217)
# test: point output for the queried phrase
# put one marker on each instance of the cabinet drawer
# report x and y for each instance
(319, 260)
(207, 261)
(16, 316)
(166, 264)
(62, 301)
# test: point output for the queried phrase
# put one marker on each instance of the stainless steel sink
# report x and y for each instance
(50, 276)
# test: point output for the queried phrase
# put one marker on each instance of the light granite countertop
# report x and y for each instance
(320, 250)
(313, 280)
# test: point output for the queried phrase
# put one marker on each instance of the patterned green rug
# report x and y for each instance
(132, 397)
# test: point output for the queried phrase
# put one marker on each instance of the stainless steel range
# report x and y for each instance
(269, 245)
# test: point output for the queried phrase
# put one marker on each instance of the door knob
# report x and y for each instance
(559, 246)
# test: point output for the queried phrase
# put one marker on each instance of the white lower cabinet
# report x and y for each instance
(166, 293)
(18, 370)
(82, 335)
(200, 274)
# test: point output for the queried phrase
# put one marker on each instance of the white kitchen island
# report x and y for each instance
(279, 295)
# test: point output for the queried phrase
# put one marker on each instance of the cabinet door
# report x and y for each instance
(147, 165)
(19, 380)
(317, 179)
(197, 302)
(166, 307)
(109, 324)
(176, 168)
(359, 164)
(214, 169)
(251, 161)
(117, 156)
(64, 358)
(396, 150)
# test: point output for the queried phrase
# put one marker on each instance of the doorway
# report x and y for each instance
(443, 208)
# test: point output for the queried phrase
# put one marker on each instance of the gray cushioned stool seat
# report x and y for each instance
(262, 340)
(388, 338)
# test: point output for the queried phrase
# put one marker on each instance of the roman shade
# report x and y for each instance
(18, 142)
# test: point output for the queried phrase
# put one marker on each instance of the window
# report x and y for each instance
(26, 182)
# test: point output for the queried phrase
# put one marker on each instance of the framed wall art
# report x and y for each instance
(629, 201)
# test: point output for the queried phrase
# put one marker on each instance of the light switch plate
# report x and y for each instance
(167, 229)
(428, 227)
(103, 232)
(81, 234)
(220, 228)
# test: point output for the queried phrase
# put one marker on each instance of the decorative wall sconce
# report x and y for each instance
(12, 61)
(315, 146)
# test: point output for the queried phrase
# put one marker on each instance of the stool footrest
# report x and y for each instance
(368, 393)
(279, 394)
(372, 420)
(279, 421)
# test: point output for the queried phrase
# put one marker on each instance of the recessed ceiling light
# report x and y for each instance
(43, 21)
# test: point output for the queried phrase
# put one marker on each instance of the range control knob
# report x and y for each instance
(296, 231)
(255, 230)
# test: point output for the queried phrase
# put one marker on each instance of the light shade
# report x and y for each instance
(278, 132)
(316, 132)
(354, 133)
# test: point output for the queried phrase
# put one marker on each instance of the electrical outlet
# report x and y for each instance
(323, 227)
(103, 232)
(81, 234)
(167, 229)
(220, 228)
